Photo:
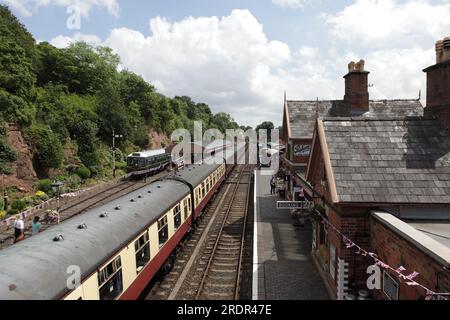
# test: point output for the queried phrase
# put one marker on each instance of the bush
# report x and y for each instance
(19, 205)
(12, 212)
(97, 171)
(5, 169)
(41, 195)
(84, 173)
(2, 204)
(121, 165)
(49, 150)
(73, 182)
(2, 214)
(45, 185)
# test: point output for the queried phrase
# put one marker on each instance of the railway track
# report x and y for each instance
(85, 203)
(210, 263)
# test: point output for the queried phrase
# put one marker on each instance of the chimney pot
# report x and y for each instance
(446, 49)
(438, 83)
(439, 51)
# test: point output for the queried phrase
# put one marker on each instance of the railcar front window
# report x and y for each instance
(142, 249)
(163, 231)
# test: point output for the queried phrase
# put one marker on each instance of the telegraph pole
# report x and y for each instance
(114, 136)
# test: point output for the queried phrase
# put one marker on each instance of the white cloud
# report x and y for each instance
(65, 41)
(292, 4)
(390, 24)
(397, 73)
(27, 7)
(308, 52)
(227, 62)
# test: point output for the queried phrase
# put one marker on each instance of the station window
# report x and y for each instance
(142, 249)
(177, 216)
(110, 280)
(163, 230)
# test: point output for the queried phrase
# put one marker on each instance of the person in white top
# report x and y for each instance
(19, 228)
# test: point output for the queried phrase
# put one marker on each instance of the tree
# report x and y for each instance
(93, 69)
(57, 66)
(10, 25)
(112, 115)
(223, 121)
(16, 73)
(49, 150)
(85, 134)
(266, 125)
(7, 154)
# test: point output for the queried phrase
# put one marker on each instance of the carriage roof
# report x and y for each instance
(37, 267)
(147, 153)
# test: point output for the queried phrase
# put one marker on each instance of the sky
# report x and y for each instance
(242, 56)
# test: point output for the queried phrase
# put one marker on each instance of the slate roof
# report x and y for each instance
(302, 114)
(389, 161)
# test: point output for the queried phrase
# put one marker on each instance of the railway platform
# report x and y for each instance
(283, 268)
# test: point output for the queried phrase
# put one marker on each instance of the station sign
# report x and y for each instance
(294, 204)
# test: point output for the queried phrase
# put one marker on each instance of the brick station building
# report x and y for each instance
(379, 171)
(299, 118)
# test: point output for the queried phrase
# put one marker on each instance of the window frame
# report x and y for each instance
(165, 226)
(138, 248)
(175, 214)
(116, 264)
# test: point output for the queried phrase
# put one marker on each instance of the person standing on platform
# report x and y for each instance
(19, 228)
(272, 185)
(36, 226)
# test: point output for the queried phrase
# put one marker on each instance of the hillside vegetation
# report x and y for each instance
(67, 102)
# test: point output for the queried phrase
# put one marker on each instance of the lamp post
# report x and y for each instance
(114, 136)
(56, 187)
(5, 200)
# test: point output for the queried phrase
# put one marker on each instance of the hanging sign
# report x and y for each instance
(295, 205)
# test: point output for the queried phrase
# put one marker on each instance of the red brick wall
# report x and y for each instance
(438, 85)
(396, 251)
(352, 221)
(356, 90)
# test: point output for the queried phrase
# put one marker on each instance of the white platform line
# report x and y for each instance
(255, 242)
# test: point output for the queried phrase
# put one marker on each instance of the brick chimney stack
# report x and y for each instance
(438, 77)
(357, 87)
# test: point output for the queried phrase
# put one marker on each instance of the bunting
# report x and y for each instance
(430, 295)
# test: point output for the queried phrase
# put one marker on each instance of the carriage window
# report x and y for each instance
(177, 216)
(110, 280)
(203, 189)
(163, 231)
(142, 248)
(189, 204)
(185, 209)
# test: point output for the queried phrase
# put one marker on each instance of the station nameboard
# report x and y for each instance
(294, 204)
